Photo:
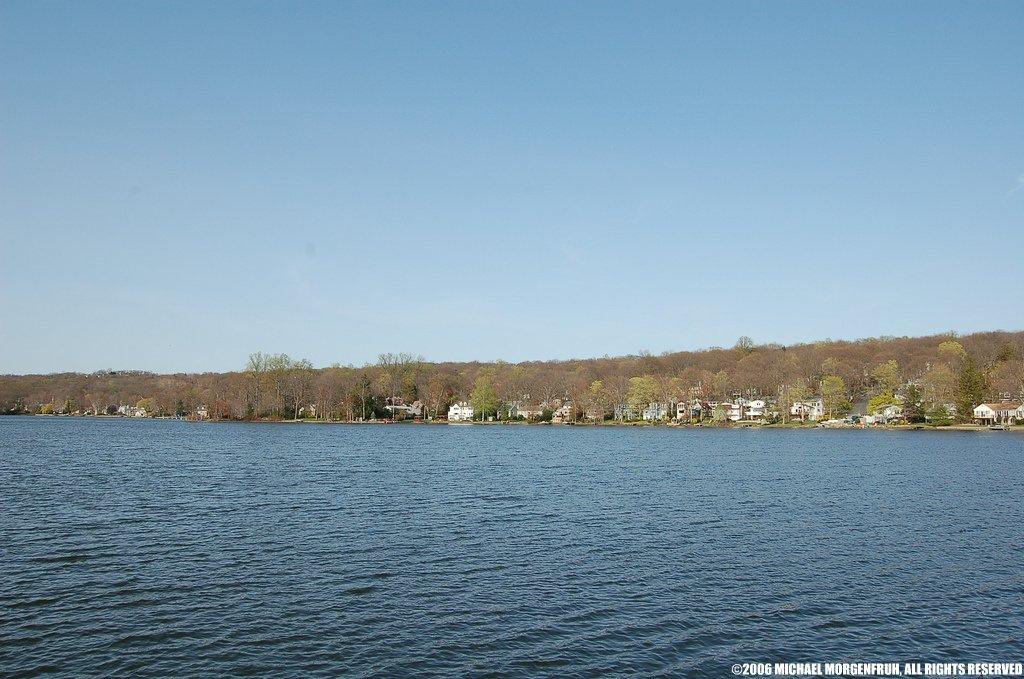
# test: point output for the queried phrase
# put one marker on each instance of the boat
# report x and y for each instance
(997, 427)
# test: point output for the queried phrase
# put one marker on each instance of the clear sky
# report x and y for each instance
(184, 183)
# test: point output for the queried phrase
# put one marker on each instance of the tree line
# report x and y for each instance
(925, 375)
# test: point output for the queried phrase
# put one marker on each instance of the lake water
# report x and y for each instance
(163, 547)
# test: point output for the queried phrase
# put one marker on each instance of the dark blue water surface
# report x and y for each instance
(174, 548)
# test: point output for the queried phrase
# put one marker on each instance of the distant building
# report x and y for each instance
(755, 410)
(530, 411)
(998, 413)
(624, 412)
(563, 413)
(399, 409)
(889, 413)
(131, 411)
(685, 411)
(810, 410)
(656, 411)
(460, 412)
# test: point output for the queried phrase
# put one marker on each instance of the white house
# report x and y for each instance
(131, 411)
(811, 410)
(460, 412)
(688, 411)
(755, 409)
(655, 411)
(997, 413)
(624, 412)
(733, 411)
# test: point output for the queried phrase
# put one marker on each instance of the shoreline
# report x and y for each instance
(588, 425)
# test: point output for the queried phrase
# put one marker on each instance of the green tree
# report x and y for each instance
(833, 393)
(484, 397)
(886, 377)
(597, 400)
(913, 404)
(952, 351)
(939, 416)
(970, 389)
(642, 391)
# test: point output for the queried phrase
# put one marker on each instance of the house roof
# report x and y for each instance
(1001, 406)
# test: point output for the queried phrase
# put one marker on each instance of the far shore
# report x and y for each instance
(1018, 429)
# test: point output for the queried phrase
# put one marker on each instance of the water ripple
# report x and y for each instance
(155, 548)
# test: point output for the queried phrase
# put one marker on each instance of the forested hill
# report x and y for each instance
(277, 386)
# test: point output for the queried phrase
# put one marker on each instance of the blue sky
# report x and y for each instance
(184, 183)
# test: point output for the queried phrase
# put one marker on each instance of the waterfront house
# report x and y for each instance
(131, 411)
(530, 411)
(810, 410)
(755, 410)
(460, 412)
(997, 413)
(399, 409)
(563, 413)
(624, 412)
(688, 411)
(887, 414)
(656, 411)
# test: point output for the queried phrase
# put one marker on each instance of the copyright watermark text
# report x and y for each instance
(879, 669)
